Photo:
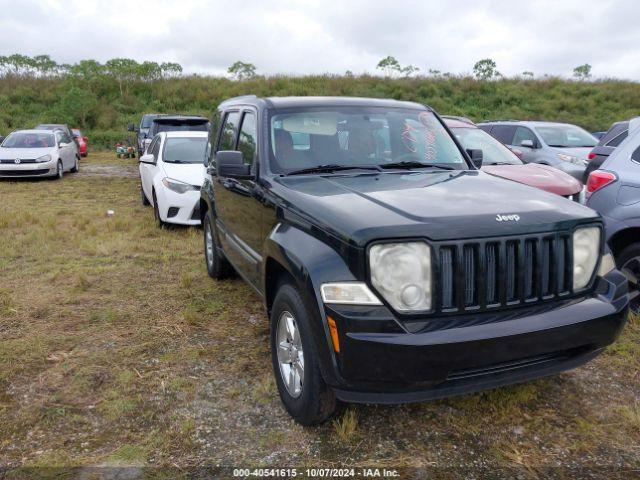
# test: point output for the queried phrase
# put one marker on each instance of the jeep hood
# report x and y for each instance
(437, 205)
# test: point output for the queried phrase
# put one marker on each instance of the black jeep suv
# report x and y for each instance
(391, 268)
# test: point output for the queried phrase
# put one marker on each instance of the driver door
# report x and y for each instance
(148, 170)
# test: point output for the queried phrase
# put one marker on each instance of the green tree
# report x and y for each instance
(485, 69)
(124, 70)
(409, 70)
(44, 65)
(76, 104)
(242, 70)
(389, 65)
(582, 72)
(170, 69)
(527, 74)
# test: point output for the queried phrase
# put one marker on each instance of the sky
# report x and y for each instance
(313, 36)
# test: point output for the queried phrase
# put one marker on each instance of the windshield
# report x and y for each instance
(566, 136)
(29, 140)
(184, 150)
(181, 126)
(304, 138)
(493, 152)
(146, 121)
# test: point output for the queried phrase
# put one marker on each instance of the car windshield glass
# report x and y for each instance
(29, 140)
(493, 152)
(184, 150)
(177, 126)
(303, 138)
(146, 121)
(566, 136)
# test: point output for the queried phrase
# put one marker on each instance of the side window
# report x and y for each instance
(156, 149)
(229, 129)
(152, 146)
(503, 133)
(635, 156)
(486, 128)
(618, 140)
(248, 138)
(523, 133)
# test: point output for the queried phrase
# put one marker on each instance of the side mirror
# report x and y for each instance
(230, 163)
(527, 143)
(131, 128)
(476, 157)
(148, 158)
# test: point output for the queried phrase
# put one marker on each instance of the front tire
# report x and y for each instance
(156, 211)
(59, 171)
(143, 197)
(303, 391)
(628, 261)
(217, 266)
(76, 166)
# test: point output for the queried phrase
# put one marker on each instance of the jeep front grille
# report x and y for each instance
(484, 274)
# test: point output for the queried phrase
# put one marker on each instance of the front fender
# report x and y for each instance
(311, 263)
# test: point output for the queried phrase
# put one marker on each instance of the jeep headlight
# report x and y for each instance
(401, 273)
(572, 159)
(586, 249)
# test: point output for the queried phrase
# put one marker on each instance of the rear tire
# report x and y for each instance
(628, 261)
(76, 166)
(218, 267)
(304, 393)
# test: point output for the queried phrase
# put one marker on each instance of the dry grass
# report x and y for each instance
(117, 349)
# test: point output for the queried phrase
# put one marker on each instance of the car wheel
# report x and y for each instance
(218, 267)
(156, 211)
(59, 171)
(628, 261)
(302, 389)
(76, 166)
(143, 197)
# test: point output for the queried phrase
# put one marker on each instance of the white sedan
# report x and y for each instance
(172, 172)
(38, 153)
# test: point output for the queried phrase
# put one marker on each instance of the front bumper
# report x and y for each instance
(179, 208)
(24, 170)
(379, 362)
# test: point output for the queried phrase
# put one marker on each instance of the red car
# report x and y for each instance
(83, 142)
(498, 160)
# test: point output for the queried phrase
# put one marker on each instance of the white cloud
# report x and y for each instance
(315, 36)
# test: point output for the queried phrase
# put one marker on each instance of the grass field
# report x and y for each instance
(117, 349)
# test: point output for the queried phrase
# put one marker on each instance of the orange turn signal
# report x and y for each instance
(334, 334)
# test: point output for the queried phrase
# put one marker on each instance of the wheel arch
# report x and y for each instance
(623, 238)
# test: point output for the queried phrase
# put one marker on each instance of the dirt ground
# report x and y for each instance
(121, 358)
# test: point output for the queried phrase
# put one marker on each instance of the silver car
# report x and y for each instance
(561, 145)
(38, 153)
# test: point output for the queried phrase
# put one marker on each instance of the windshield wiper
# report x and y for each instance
(176, 161)
(332, 167)
(412, 164)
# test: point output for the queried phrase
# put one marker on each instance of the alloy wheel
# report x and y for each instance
(290, 354)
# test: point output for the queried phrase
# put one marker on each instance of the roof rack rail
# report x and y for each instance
(240, 97)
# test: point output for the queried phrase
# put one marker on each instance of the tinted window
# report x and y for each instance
(566, 136)
(181, 127)
(228, 135)
(152, 145)
(503, 133)
(184, 150)
(146, 121)
(635, 156)
(618, 140)
(486, 128)
(156, 148)
(523, 133)
(247, 141)
(29, 140)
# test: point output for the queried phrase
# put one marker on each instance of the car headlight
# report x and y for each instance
(354, 293)
(401, 273)
(572, 159)
(44, 158)
(178, 186)
(586, 249)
